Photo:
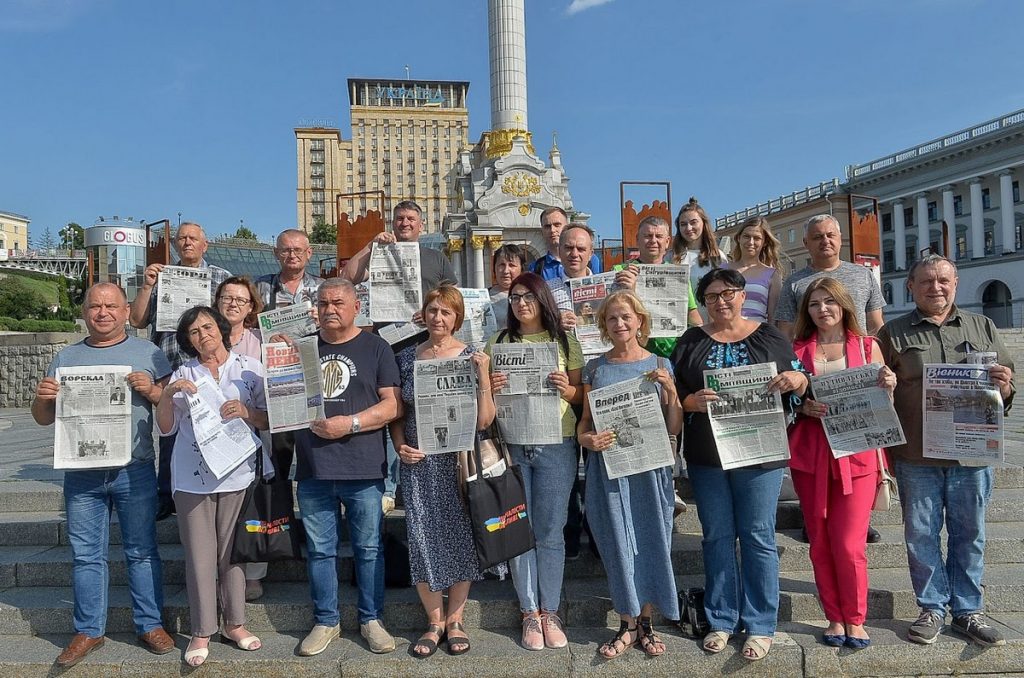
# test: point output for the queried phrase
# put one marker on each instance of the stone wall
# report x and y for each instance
(24, 358)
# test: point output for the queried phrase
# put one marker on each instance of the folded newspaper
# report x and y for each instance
(632, 409)
(394, 281)
(293, 384)
(179, 288)
(664, 290)
(748, 423)
(588, 293)
(479, 321)
(223, 443)
(860, 414)
(94, 417)
(963, 414)
(295, 320)
(446, 404)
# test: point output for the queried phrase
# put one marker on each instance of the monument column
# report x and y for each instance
(900, 232)
(506, 41)
(478, 242)
(455, 247)
(924, 240)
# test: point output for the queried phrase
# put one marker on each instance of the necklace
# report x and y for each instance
(443, 344)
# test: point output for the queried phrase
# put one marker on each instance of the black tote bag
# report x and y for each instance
(267, 529)
(498, 512)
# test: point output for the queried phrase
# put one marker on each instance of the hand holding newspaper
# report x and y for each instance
(860, 415)
(632, 409)
(665, 291)
(747, 421)
(93, 417)
(446, 404)
(223, 443)
(295, 320)
(479, 322)
(528, 409)
(179, 288)
(394, 281)
(588, 293)
(963, 414)
(293, 384)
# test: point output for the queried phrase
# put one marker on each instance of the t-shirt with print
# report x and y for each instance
(566, 363)
(141, 356)
(352, 372)
(859, 282)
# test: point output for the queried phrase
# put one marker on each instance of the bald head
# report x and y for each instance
(105, 286)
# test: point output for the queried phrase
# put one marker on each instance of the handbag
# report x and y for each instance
(887, 491)
(693, 619)
(497, 509)
(491, 451)
(266, 529)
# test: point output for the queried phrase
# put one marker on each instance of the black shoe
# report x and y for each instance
(572, 551)
(165, 508)
(873, 536)
(974, 627)
(803, 536)
(927, 627)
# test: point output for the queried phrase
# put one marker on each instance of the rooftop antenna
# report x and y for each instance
(407, 71)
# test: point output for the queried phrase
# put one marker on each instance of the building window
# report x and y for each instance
(318, 196)
(961, 246)
(990, 242)
(933, 211)
(986, 199)
(316, 156)
(317, 182)
(318, 209)
(317, 145)
(316, 170)
(1016, 191)
(887, 223)
(888, 261)
(958, 206)
(908, 215)
(792, 235)
(1018, 241)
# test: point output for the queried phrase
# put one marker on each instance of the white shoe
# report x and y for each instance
(387, 502)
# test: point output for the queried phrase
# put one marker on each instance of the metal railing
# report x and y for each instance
(777, 204)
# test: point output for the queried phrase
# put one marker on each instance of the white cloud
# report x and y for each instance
(578, 6)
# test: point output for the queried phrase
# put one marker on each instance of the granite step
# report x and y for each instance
(797, 651)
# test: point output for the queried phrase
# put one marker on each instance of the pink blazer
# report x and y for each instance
(808, 446)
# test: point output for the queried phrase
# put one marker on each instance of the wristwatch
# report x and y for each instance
(356, 428)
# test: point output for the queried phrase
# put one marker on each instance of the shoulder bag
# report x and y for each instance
(267, 530)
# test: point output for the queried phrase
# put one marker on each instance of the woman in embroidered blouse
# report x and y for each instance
(208, 506)
(756, 256)
(836, 495)
(738, 503)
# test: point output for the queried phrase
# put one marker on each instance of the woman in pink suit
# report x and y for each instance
(836, 495)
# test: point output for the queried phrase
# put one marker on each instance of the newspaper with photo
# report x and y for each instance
(179, 288)
(223, 443)
(861, 415)
(748, 423)
(632, 409)
(396, 333)
(479, 322)
(363, 318)
(394, 281)
(93, 417)
(446, 404)
(963, 414)
(292, 384)
(528, 409)
(295, 320)
(588, 293)
(664, 290)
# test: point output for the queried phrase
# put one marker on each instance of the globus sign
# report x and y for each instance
(114, 235)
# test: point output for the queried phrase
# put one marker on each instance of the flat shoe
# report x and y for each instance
(715, 642)
(457, 640)
(431, 645)
(246, 643)
(857, 643)
(837, 640)
(757, 648)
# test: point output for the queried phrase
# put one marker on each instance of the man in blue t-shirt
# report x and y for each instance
(90, 493)
(342, 458)
(553, 221)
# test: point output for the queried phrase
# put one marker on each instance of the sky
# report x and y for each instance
(149, 109)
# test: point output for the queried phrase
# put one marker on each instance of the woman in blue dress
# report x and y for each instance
(631, 516)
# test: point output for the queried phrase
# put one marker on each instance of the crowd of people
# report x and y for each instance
(743, 310)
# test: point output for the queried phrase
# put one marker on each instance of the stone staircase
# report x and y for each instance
(36, 609)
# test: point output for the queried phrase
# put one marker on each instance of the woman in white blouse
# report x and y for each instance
(208, 507)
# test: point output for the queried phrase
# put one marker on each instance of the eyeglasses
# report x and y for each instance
(529, 298)
(724, 295)
(237, 301)
(292, 250)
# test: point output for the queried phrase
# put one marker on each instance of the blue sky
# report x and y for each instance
(147, 109)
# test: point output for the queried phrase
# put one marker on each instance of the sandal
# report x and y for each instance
(652, 645)
(756, 648)
(716, 641)
(248, 642)
(428, 643)
(617, 646)
(457, 640)
(196, 657)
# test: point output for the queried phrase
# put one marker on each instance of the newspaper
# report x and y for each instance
(224, 444)
(94, 417)
(529, 408)
(588, 293)
(748, 423)
(179, 289)
(479, 322)
(295, 320)
(394, 281)
(398, 332)
(632, 409)
(363, 318)
(446, 409)
(860, 414)
(665, 291)
(963, 415)
(292, 384)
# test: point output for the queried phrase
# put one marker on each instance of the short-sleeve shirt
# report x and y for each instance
(858, 281)
(434, 270)
(352, 372)
(550, 268)
(141, 356)
(240, 378)
(275, 295)
(572, 361)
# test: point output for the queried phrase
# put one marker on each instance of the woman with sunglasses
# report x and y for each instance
(548, 470)
(739, 594)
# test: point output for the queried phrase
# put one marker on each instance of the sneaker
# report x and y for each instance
(533, 635)
(377, 637)
(974, 627)
(554, 632)
(387, 502)
(680, 506)
(926, 629)
(318, 639)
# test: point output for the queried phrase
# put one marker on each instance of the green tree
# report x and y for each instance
(46, 240)
(323, 233)
(72, 236)
(18, 300)
(244, 233)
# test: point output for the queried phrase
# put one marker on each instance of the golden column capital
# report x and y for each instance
(455, 244)
(494, 241)
(478, 241)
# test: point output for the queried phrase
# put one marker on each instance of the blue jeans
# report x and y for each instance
(89, 497)
(739, 504)
(961, 493)
(318, 501)
(548, 474)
